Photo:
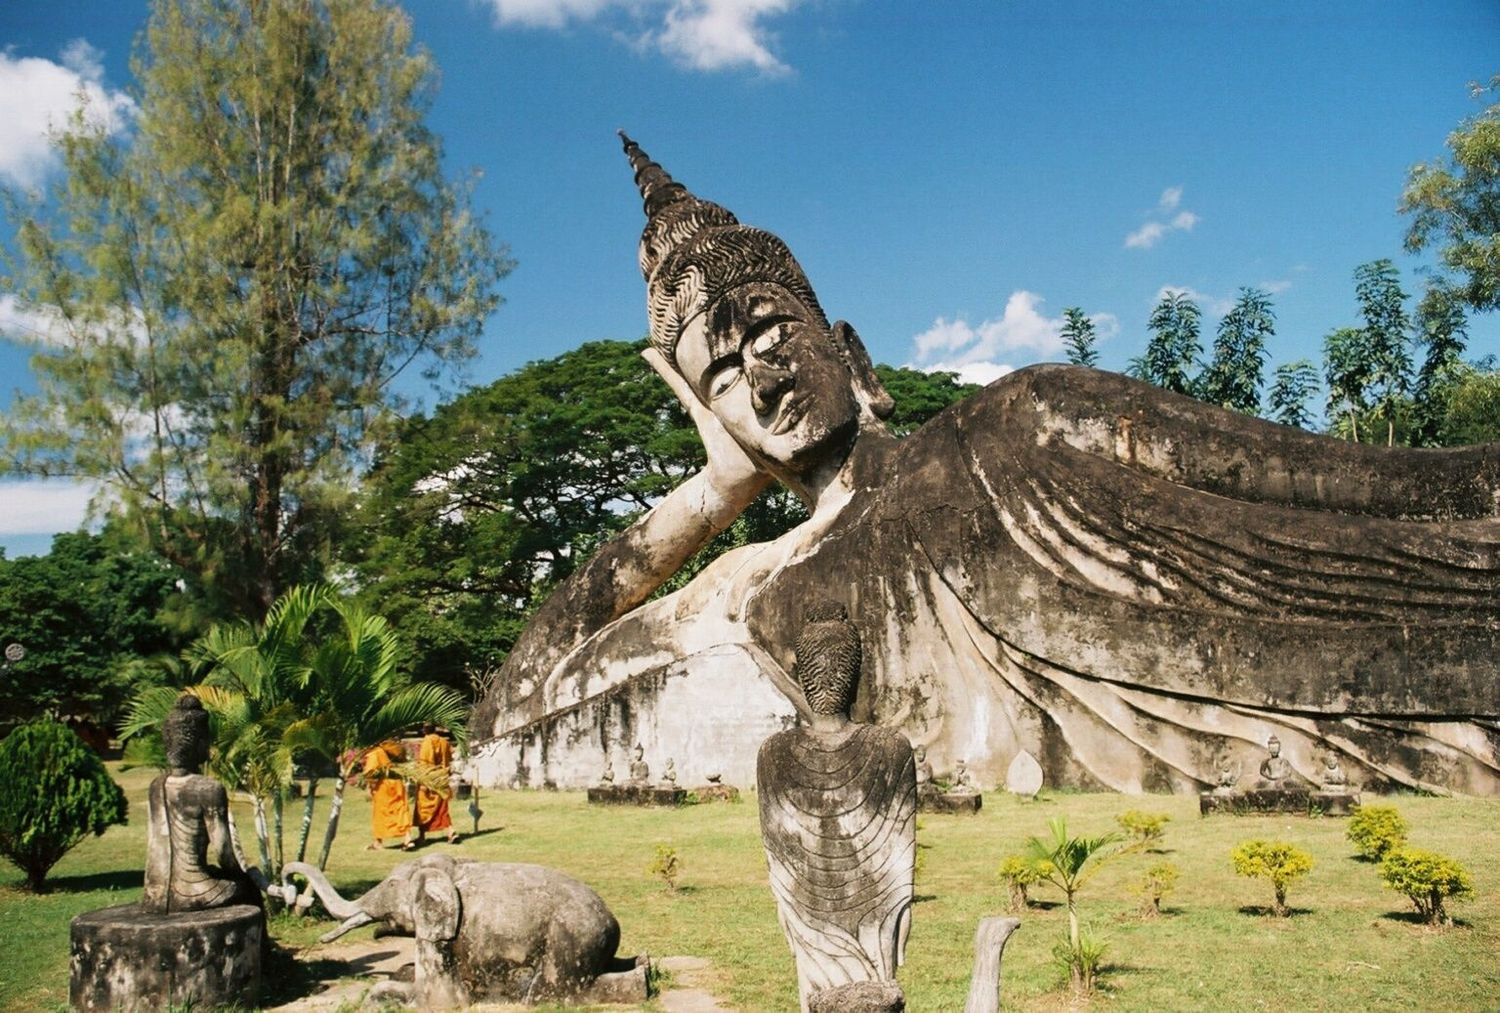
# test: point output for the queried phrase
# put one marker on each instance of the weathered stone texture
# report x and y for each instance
(129, 959)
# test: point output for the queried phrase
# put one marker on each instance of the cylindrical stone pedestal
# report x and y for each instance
(125, 958)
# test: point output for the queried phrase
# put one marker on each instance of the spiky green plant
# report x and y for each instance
(1068, 863)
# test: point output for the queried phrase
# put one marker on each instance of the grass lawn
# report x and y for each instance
(1349, 944)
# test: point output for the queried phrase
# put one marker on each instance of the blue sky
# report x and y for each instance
(949, 181)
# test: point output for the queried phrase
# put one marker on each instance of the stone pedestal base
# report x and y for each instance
(1289, 801)
(717, 793)
(952, 802)
(860, 997)
(125, 958)
(637, 794)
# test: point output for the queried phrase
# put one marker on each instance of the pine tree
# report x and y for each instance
(236, 283)
(1079, 337)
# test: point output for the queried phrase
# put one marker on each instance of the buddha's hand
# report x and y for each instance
(731, 472)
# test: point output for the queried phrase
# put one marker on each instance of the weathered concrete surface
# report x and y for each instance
(965, 803)
(127, 958)
(637, 794)
(1120, 580)
(859, 997)
(1303, 801)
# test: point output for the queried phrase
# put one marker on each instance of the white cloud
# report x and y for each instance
(1276, 287)
(27, 324)
(1151, 233)
(1212, 304)
(978, 353)
(44, 506)
(37, 95)
(703, 35)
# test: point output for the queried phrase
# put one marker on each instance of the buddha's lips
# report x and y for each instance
(791, 413)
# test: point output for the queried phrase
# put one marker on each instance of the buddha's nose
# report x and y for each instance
(768, 384)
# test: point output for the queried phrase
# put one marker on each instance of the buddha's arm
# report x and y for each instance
(630, 567)
(220, 842)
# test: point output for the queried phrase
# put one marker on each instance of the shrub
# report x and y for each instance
(1277, 861)
(1155, 885)
(54, 791)
(1080, 960)
(1375, 830)
(666, 865)
(1018, 873)
(1146, 828)
(1427, 879)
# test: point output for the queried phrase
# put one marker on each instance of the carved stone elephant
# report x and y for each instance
(492, 931)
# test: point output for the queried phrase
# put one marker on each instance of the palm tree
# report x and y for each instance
(1067, 863)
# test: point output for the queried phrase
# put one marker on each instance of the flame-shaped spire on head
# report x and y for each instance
(693, 251)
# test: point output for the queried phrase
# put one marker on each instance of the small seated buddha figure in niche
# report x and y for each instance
(640, 770)
(1275, 771)
(925, 783)
(963, 780)
(190, 860)
(1334, 778)
(838, 803)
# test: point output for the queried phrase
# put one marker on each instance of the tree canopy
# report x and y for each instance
(233, 285)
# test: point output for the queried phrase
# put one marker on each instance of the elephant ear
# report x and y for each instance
(437, 908)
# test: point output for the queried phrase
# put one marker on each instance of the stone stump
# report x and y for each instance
(1287, 801)
(125, 958)
(637, 794)
(965, 803)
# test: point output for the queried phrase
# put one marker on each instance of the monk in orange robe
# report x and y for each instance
(390, 812)
(432, 806)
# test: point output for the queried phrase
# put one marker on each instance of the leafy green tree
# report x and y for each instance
(1079, 337)
(86, 612)
(54, 792)
(1174, 346)
(234, 285)
(1474, 409)
(1234, 375)
(1455, 205)
(1068, 863)
(1293, 386)
(1346, 371)
(1442, 327)
(473, 513)
(1386, 336)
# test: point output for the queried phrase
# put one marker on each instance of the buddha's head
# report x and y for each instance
(1273, 746)
(185, 734)
(640, 751)
(735, 315)
(920, 753)
(828, 659)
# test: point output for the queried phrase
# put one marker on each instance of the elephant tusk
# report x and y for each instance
(349, 925)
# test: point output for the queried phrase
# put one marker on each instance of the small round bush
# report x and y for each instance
(1156, 884)
(54, 791)
(1427, 879)
(1375, 830)
(1144, 827)
(1277, 861)
(1018, 874)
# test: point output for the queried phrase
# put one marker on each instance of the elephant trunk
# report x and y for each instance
(989, 945)
(332, 902)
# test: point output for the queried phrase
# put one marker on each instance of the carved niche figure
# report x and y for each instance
(1275, 771)
(925, 783)
(838, 819)
(190, 860)
(607, 776)
(963, 781)
(669, 776)
(1226, 775)
(1135, 558)
(640, 770)
(1334, 778)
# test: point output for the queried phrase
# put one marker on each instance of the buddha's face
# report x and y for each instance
(921, 753)
(1274, 747)
(765, 365)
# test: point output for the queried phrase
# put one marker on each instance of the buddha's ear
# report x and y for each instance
(867, 386)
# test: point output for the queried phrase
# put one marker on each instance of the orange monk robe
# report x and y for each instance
(432, 806)
(390, 813)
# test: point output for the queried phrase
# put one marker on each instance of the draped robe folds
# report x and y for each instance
(190, 863)
(838, 818)
(432, 806)
(390, 811)
(1126, 583)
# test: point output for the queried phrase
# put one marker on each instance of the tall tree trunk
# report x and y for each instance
(334, 808)
(305, 830)
(278, 804)
(261, 837)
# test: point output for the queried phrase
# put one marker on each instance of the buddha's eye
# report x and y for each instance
(769, 339)
(723, 379)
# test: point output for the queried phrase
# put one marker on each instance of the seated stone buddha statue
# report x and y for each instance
(1122, 581)
(190, 860)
